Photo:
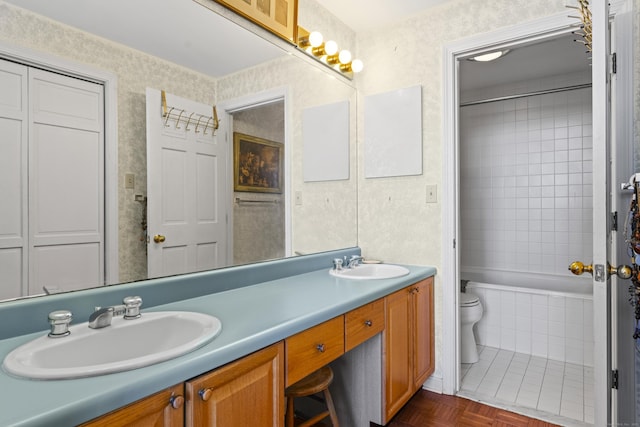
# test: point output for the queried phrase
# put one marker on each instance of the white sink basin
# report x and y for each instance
(371, 271)
(125, 345)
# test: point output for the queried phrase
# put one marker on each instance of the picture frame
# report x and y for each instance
(280, 17)
(257, 164)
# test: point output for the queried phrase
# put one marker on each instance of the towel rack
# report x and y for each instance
(200, 122)
(238, 200)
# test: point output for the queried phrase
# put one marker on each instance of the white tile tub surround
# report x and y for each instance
(548, 324)
(525, 175)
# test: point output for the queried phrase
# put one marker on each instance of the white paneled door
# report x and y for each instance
(52, 174)
(186, 181)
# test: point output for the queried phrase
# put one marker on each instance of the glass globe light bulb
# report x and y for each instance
(315, 39)
(331, 48)
(344, 57)
(357, 65)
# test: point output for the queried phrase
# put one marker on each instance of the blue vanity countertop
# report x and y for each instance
(252, 317)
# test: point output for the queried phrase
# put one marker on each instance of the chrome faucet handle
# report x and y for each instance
(101, 318)
(132, 307)
(59, 321)
(337, 264)
(354, 261)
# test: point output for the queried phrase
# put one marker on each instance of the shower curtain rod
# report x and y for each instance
(524, 95)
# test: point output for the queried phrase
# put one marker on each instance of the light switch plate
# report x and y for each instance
(432, 193)
(129, 180)
(298, 197)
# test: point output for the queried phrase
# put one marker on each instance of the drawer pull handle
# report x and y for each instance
(205, 394)
(320, 348)
(368, 323)
(176, 402)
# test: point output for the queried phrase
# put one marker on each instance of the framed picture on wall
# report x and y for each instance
(257, 164)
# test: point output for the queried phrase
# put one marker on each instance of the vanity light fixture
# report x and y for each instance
(491, 56)
(328, 52)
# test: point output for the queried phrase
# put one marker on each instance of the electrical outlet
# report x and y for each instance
(298, 197)
(129, 180)
(432, 193)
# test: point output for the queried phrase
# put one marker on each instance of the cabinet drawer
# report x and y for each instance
(363, 323)
(313, 348)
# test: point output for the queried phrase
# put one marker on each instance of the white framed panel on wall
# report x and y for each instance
(325, 133)
(393, 133)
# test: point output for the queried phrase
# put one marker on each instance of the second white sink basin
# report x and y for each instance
(371, 271)
(126, 344)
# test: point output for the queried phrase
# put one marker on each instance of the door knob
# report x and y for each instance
(578, 268)
(622, 271)
(158, 238)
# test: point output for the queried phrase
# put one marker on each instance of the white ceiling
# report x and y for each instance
(180, 31)
(559, 55)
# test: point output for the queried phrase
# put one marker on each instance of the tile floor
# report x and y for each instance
(558, 392)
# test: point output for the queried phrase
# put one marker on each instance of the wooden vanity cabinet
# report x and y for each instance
(408, 350)
(163, 409)
(247, 392)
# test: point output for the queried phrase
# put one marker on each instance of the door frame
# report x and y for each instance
(503, 38)
(226, 109)
(109, 81)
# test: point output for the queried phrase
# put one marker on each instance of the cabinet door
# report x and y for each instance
(423, 331)
(163, 409)
(398, 382)
(247, 392)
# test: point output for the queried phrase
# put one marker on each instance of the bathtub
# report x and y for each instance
(548, 316)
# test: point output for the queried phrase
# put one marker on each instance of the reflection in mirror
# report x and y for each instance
(323, 215)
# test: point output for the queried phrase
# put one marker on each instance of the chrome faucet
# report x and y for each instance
(337, 264)
(102, 317)
(354, 261)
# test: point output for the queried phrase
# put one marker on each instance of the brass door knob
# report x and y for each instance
(622, 271)
(159, 238)
(578, 268)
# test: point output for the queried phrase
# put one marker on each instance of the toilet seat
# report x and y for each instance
(469, 300)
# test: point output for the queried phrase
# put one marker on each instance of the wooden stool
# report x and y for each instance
(309, 385)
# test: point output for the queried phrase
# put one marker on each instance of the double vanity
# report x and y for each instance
(278, 322)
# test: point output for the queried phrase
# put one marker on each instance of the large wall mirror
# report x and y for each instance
(260, 85)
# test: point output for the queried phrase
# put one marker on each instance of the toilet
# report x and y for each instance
(470, 314)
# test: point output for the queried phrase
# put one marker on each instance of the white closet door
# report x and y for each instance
(186, 189)
(13, 179)
(66, 182)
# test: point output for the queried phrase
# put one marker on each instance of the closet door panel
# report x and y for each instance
(66, 182)
(13, 179)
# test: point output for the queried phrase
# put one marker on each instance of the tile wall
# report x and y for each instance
(526, 177)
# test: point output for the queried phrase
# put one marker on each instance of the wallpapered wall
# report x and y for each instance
(394, 222)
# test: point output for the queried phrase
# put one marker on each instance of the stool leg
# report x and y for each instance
(331, 408)
(290, 413)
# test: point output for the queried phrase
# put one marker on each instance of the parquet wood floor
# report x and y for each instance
(427, 409)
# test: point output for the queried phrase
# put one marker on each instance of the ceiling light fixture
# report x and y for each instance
(328, 53)
(491, 56)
